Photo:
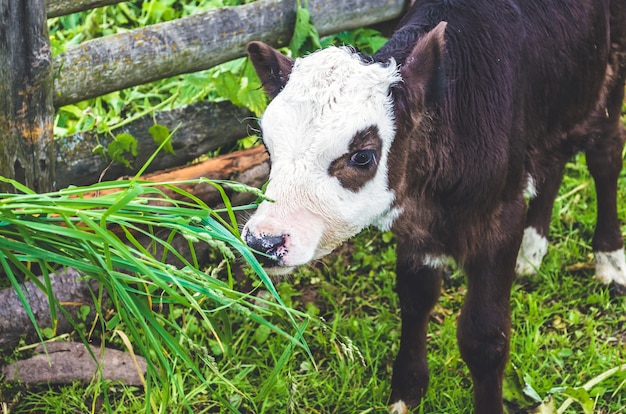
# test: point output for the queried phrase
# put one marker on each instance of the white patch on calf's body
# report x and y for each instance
(436, 262)
(611, 267)
(530, 191)
(532, 251)
(385, 222)
(330, 97)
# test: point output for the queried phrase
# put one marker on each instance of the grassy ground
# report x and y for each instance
(567, 329)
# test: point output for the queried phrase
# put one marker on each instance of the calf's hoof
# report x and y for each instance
(399, 407)
(611, 270)
(534, 247)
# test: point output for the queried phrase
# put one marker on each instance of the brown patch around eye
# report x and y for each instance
(359, 165)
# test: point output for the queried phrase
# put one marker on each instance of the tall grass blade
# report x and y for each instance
(68, 229)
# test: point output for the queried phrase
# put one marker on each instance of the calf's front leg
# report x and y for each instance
(484, 324)
(418, 287)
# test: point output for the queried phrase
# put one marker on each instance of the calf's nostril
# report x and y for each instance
(267, 244)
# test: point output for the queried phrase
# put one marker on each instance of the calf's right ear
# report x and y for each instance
(422, 71)
(272, 67)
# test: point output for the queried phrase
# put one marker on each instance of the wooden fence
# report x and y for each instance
(32, 83)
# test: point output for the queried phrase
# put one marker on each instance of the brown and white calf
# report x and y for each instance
(438, 136)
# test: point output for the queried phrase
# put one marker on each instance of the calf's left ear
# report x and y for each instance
(421, 71)
(272, 67)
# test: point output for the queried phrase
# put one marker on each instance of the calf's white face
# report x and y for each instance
(328, 131)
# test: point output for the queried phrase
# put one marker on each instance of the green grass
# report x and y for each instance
(567, 329)
(154, 304)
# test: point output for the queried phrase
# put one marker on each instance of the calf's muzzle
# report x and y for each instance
(269, 246)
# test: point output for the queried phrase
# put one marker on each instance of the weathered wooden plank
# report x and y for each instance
(184, 45)
(331, 16)
(56, 8)
(26, 112)
(204, 127)
(198, 42)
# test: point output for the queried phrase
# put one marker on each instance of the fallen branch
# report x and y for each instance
(65, 362)
(250, 167)
(71, 290)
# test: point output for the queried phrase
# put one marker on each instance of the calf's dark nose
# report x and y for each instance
(269, 245)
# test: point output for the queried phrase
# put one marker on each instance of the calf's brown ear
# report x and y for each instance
(272, 67)
(422, 69)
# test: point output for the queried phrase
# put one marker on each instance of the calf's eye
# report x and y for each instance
(363, 158)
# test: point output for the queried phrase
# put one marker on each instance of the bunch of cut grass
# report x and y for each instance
(67, 229)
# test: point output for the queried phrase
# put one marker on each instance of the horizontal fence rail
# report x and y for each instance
(198, 42)
(56, 8)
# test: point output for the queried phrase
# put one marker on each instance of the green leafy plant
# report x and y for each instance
(520, 396)
(365, 40)
(305, 36)
(237, 81)
(124, 143)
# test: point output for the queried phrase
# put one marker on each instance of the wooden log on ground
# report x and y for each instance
(26, 112)
(66, 362)
(70, 289)
(198, 42)
(250, 167)
(204, 127)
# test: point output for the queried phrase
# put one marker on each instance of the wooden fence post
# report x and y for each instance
(26, 109)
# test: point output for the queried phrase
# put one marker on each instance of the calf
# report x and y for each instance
(438, 136)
